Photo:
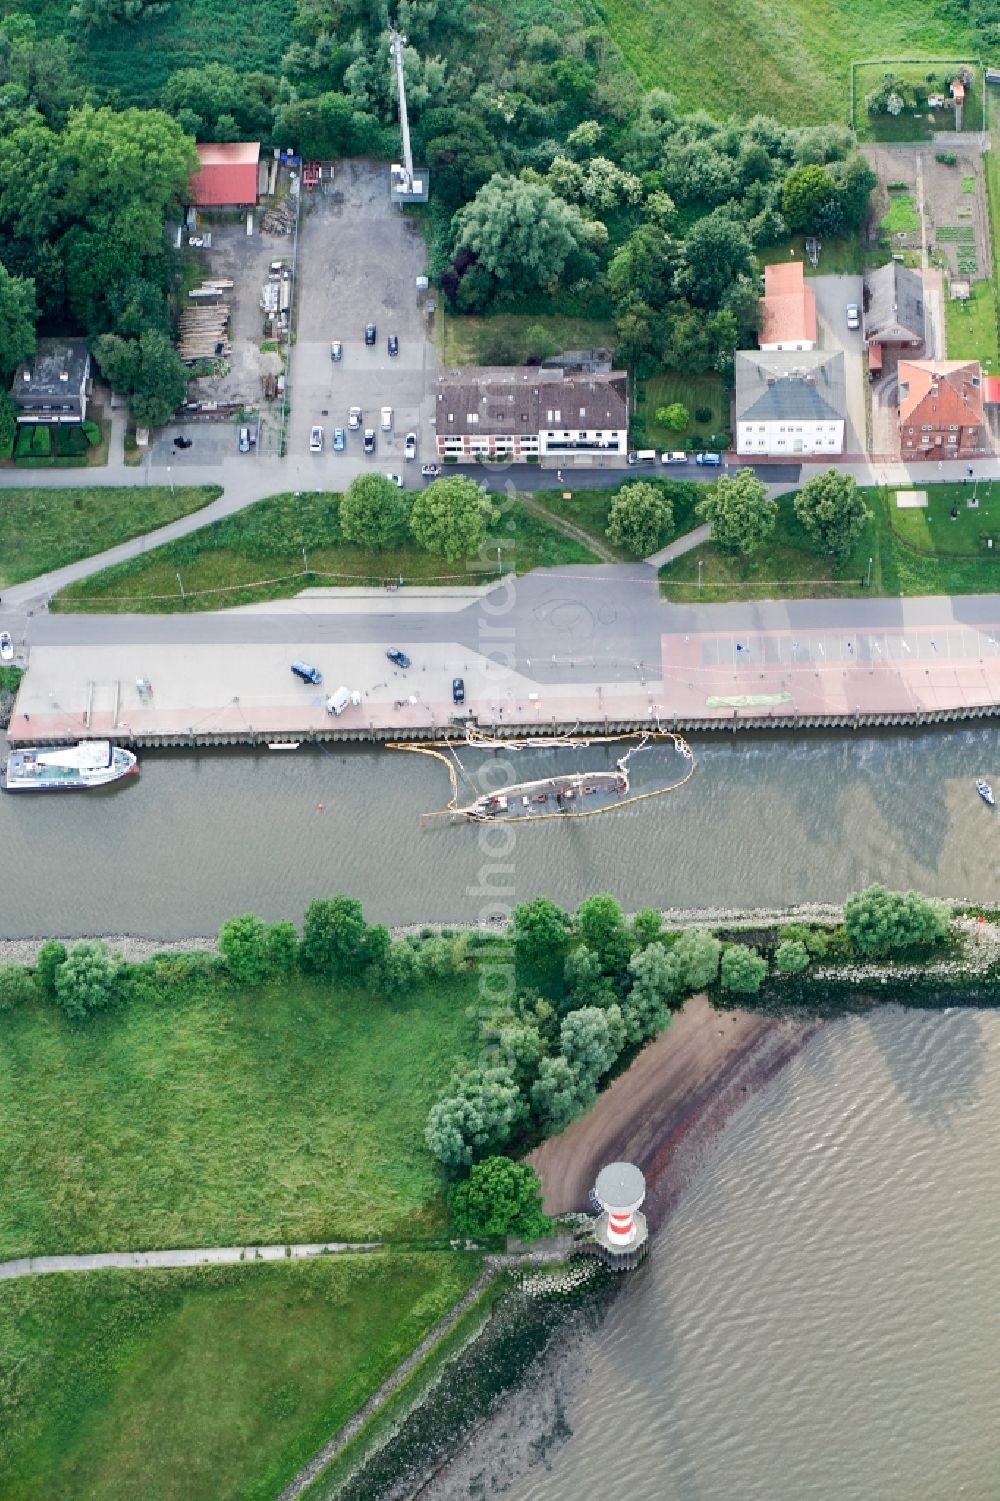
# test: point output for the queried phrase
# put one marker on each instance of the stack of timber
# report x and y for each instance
(211, 290)
(279, 219)
(202, 332)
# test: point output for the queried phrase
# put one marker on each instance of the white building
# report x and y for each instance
(524, 412)
(790, 404)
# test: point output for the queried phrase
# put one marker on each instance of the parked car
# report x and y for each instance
(354, 419)
(244, 440)
(307, 672)
(339, 439)
(641, 456)
(386, 419)
(369, 440)
(458, 690)
(853, 315)
(336, 350)
(395, 479)
(393, 344)
(410, 446)
(316, 440)
(430, 470)
(371, 334)
(714, 459)
(6, 647)
(398, 658)
(674, 458)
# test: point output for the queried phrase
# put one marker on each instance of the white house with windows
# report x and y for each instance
(525, 412)
(790, 404)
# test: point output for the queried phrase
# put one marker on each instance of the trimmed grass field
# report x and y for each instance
(258, 555)
(971, 327)
(590, 509)
(735, 57)
(224, 1117)
(909, 556)
(215, 1384)
(466, 340)
(693, 391)
(843, 256)
(901, 218)
(47, 528)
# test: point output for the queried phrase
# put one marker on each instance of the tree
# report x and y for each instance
(654, 984)
(333, 938)
(590, 1040)
(478, 1117)
(541, 932)
(647, 927)
(586, 983)
(675, 417)
(880, 921)
(695, 958)
(499, 1197)
(641, 519)
(807, 194)
(99, 15)
(243, 945)
(740, 512)
(742, 970)
(18, 312)
(522, 233)
(17, 987)
(281, 947)
(373, 512)
(51, 958)
(398, 970)
(539, 344)
(449, 517)
(832, 510)
(86, 981)
(558, 1095)
(148, 370)
(715, 254)
(600, 922)
(322, 127)
(118, 159)
(521, 1050)
(791, 956)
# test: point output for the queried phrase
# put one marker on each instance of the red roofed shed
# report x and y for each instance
(991, 390)
(228, 174)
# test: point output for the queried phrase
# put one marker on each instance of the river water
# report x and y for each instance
(199, 837)
(819, 1318)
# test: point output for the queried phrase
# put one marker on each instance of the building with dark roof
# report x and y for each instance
(524, 411)
(51, 386)
(228, 175)
(790, 403)
(894, 306)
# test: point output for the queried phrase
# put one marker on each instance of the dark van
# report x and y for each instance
(306, 673)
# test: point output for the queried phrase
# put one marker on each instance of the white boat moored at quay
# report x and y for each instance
(89, 763)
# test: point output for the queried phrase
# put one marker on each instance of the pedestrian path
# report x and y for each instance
(33, 1266)
(679, 546)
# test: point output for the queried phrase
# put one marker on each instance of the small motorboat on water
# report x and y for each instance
(986, 793)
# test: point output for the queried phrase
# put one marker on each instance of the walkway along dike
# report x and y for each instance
(34, 1266)
(234, 693)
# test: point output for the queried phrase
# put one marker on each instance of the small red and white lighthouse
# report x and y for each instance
(620, 1230)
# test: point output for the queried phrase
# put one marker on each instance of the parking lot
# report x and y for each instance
(833, 293)
(359, 258)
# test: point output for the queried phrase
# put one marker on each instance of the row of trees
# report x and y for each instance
(448, 518)
(592, 987)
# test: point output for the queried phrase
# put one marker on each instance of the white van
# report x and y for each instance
(642, 456)
(339, 700)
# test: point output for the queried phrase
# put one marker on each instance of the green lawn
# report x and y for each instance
(466, 340)
(258, 554)
(693, 391)
(214, 1384)
(901, 218)
(734, 58)
(224, 1118)
(787, 567)
(971, 327)
(44, 529)
(842, 256)
(933, 529)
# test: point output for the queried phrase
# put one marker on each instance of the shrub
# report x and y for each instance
(51, 956)
(282, 945)
(703, 414)
(791, 956)
(477, 1118)
(86, 981)
(499, 1197)
(92, 432)
(743, 970)
(243, 945)
(879, 921)
(17, 986)
(946, 158)
(695, 957)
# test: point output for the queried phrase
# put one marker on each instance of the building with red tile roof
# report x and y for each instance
(228, 175)
(941, 409)
(787, 309)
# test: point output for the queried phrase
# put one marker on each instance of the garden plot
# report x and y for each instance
(949, 181)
